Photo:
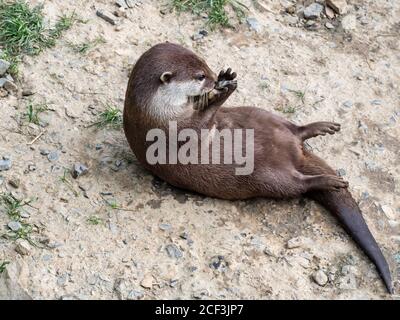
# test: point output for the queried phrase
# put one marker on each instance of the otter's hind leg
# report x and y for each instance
(317, 129)
(321, 182)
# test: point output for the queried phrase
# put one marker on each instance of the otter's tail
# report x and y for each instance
(342, 205)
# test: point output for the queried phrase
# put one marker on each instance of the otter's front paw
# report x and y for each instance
(226, 81)
(226, 75)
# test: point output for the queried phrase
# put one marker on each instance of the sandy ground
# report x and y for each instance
(164, 243)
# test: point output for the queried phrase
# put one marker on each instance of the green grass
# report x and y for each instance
(14, 208)
(3, 265)
(83, 48)
(33, 112)
(111, 117)
(299, 94)
(287, 109)
(94, 220)
(214, 9)
(112, 204)
(23, 31)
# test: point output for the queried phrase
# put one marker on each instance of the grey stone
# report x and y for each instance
(320, 278)
(132, 3)
(53, 156)
(310, 24)
(349, 22)
(135, 295)
(14, 225)
(376, 102)
(291, 20)
(313, 11)
(197, 37)
(339, 6)
(121, 4)
(107, 16)
(341, 172)
(348, 282)
(10, 282)
(173, 251)
(165, 226)
(2, 82)
(218, 263)
(10, 86)
(79, 170)
(4, 65)
(254, 24)
(347, 104)
(5, 164)
(62, 279)
(329, 25)
(44, 152)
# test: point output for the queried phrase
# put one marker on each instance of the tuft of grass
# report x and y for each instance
(33, 112)
(214, 9)
(112, 204)
(286, 109)
(111, 117)
(94, 220)
(23, 31)
(299, 94)
(13, 208)
(83, 48)
(3, 265)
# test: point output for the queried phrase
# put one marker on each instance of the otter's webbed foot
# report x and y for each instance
(325, 182)
(226, 80)
(318, 129)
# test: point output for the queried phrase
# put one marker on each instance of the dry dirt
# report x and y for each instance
(125, 255)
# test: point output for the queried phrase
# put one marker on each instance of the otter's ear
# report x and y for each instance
(166, 77)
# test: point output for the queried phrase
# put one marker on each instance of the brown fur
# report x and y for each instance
(282, 168)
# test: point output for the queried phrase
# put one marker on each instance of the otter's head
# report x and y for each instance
(176, 75)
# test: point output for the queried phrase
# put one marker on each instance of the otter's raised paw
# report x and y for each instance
(226, 75)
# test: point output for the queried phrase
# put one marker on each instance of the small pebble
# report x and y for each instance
(320, 278)
(14, 225)
(147, 281)
(23, 247)
(135, 295)
(341, 172)
(173, 251)
(5, 164)
(4, 65)
(165, 226)
(313, 11)
(107, 16)
(79, 170)
(53, 156)
(329, 25)
(347, 104)
(254, 24)
(14, 182)
(376, 102)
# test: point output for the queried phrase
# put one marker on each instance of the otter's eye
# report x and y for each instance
(200, 77)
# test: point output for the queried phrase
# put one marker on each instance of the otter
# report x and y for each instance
(171, 83)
